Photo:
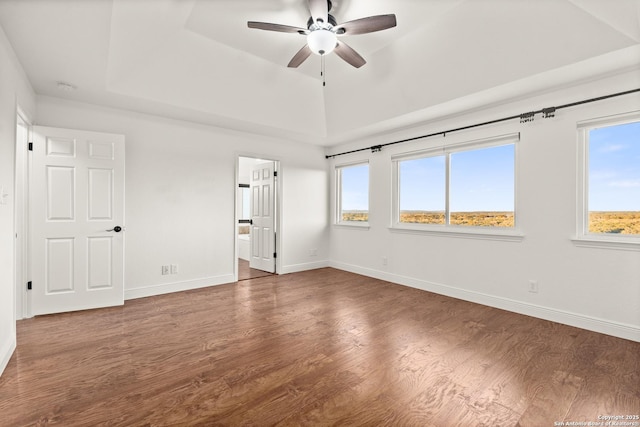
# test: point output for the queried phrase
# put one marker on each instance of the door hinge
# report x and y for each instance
(275, 255)
(31, 146)
(29, 285)
(275, 173)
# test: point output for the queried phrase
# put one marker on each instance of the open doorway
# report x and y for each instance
(256, 228)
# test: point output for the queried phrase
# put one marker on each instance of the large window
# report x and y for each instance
(353, 193)
(612, 179)
(471, 185)
(482, 187)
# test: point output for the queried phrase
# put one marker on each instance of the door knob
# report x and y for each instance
(117, 229)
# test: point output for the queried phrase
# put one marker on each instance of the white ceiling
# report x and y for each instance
(197, 60)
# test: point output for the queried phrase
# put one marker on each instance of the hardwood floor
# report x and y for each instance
(323, 347)
(246, 272)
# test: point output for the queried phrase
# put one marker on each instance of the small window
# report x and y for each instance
(465, 185)
(423, 190)
(244, 204)
(353, 194)
(612, 180)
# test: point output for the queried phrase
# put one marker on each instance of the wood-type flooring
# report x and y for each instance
(246, 272)
(316, 348)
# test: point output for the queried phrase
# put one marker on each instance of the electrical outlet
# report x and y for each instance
(385, 261)
(165, 270)
(533, 286)
(174, 268)
(313, 252)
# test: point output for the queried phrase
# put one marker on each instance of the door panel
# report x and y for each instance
(61, 147)
(263, 229)
(61, 182)
(60, 265)
(100, 250)
(76, 195)
(100, 194)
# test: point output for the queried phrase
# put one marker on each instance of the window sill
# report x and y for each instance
(354, 224)
(604, 242)
(498, 234)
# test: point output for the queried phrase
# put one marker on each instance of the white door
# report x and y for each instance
(263, 237)
(76, 205)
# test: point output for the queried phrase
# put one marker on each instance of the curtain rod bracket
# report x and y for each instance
(549, 112)
(527, 117)
(376, 148)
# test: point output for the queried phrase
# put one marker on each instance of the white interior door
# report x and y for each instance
(76, 205)
(263, 242)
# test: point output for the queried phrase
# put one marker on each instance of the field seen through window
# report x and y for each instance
(624, 222)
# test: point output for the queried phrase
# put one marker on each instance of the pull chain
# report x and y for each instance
(323, 71)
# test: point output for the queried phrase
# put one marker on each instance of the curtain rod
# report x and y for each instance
(524, 117)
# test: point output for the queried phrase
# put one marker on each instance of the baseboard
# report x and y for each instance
(294, 268)
(6, 351)
(166, 288)
(590, 323)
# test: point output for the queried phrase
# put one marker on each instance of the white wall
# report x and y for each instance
(180, 188)
(593, 288)
(15, 90)
(180, 185)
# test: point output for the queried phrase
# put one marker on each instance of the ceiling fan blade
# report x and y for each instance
(366, 25)
(300, 57)
(347, 53)
(276, 27)
(319, 10)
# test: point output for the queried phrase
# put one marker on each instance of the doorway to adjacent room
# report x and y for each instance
(256, 228)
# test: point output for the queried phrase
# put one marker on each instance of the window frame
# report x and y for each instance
(243, 190)
(480, 232)
(583, 237)
(338, 192)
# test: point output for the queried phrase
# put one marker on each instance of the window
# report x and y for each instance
(482, 187)
(611, 179)
(423, 190)
(470, 184)
(353, 194)
(244, 203)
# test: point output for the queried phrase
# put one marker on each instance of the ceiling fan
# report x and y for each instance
(323, 30)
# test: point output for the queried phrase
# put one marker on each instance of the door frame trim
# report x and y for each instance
(21, 274)
(277, 204)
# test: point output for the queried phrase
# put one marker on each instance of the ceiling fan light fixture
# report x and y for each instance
(322, 42)
(322, 33)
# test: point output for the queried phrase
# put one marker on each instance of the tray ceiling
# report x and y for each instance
(197, 60)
